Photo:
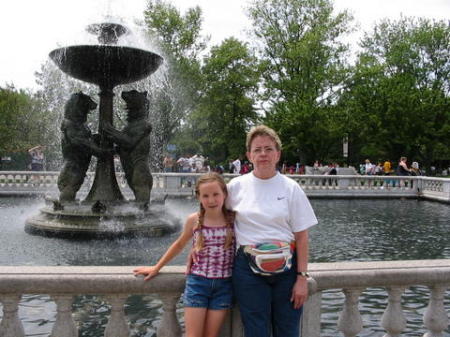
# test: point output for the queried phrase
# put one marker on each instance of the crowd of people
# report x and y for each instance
(387, 168)
(186, 164)
(200, 164)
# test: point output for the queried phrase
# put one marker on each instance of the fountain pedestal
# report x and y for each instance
(105, 187)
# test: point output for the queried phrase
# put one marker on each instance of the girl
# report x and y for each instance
(208, 292)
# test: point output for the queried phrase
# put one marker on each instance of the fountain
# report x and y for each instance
(104, 212)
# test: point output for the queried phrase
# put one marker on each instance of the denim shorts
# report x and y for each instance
(210, 293)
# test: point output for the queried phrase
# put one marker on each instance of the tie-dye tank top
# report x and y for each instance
(213, 261)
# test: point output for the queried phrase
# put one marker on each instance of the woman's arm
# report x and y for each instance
(300, 290)
(174, 249)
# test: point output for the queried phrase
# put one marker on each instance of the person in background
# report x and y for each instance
(198, 160)
(332, 169)
(378, 169)
(37, 158)
(208, 292)
(368, 167)
(245, 167)
(291, 169)
(237, 166)
(185, 164)
(415, 170)
(387, 167)
(206, 168)
(402, 168)
(284, 167)
(168, 163)
(316, 167)
(219, 169)
(271, 210)
(231, 168)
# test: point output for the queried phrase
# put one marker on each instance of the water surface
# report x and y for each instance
(348, 230)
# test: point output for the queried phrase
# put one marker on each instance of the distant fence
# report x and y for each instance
(182, 184)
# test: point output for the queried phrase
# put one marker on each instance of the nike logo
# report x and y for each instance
(280, 198)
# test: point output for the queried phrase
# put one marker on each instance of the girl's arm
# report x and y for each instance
(300, 290)
(174, 249)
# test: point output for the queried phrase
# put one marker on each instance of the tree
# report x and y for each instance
(181, 43)
(227, 107)
(302, 62)
(24, 123)
(399, 91)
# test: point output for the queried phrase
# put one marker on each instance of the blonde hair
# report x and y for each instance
(229, 215)
(262, 130)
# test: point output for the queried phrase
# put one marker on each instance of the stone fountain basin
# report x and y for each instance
(106, 65)
(79, 221)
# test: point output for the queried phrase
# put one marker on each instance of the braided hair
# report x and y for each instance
(229, 215)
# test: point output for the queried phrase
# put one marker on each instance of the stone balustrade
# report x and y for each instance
(115, 284)
(182, 184)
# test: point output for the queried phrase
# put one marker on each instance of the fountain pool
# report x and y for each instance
(348, 230)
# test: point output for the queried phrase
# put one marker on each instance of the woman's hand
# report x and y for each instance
(149, 272)
(299, 292)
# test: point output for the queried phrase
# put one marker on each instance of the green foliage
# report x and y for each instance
(23, 124)
(179, 35)
(394, 101)
(302, 62)
(398, 95)
(226, 109)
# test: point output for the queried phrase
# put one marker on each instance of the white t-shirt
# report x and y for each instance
(369, 167)
(268, 209)
(237, 166)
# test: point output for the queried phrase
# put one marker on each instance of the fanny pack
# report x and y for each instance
(269, 258)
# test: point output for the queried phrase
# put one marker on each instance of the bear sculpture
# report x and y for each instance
(78, 145)
(133, 145)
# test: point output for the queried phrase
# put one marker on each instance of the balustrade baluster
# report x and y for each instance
(64, 325)
(117, 324)
(435, 318)
(350, 321)
(311, 315)
(393, 319)
(169, 326)
(11, 325)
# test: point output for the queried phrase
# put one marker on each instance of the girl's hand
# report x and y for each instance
(299, 292)
(149, 272)
(191, 259)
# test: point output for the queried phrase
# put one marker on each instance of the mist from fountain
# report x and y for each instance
(107, 64)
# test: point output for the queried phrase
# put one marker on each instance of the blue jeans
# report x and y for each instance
(264, 301)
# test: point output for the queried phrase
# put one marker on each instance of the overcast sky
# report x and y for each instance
(30, 29)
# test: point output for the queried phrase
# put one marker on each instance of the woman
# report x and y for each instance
(37, 158)
(402, 168)
(269, 207)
